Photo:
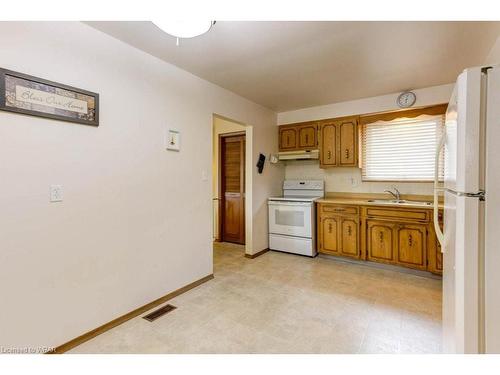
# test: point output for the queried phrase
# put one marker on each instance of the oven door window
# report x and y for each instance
(289, 218)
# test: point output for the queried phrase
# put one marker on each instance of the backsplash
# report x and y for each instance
(343, 179)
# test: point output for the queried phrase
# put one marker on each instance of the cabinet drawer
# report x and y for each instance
(398, 214)
(339, 209)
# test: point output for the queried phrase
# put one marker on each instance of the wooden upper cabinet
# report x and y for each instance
(308, 136)
(338, 145)
(328, 145)
(287, 138)
(347, 143)
(303, 136)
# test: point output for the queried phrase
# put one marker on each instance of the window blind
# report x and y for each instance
(401, 150)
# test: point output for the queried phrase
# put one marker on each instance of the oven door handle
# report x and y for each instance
(289, 203)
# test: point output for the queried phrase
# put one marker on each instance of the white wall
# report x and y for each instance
(349, 179)
(494, 55)
(135, 222)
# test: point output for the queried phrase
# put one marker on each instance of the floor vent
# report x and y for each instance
(160, 312)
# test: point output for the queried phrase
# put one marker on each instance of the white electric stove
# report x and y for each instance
(292, 217)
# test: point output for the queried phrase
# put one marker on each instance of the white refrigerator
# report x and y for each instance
(470, 240)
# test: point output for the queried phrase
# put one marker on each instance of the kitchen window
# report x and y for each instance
(402, 149)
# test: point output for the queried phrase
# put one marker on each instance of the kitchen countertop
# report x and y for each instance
(364, 201)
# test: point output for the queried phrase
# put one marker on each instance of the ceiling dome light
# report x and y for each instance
(184, 29)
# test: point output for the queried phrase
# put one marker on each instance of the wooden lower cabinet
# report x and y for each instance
(408, 240)
(339, 235)
(349, 237)
(329, 235)
(380, 242)
(395, 243)
(411, 246)
(435, 256)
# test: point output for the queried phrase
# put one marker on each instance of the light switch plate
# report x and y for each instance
(173, 140)
(56, 193)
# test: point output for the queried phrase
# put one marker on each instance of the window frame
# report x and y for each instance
(394, 116)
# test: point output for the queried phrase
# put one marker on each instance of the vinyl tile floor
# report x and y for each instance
(283, 303)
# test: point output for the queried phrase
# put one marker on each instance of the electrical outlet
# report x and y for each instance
(354, 182)
(56, 193)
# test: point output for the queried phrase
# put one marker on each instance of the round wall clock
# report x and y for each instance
(406, 99)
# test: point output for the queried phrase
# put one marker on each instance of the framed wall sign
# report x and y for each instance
(28, 95)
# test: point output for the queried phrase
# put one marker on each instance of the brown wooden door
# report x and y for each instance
(329, 235)
(288, 138)
(380, 241)
(349, 237)
(411, 245)
(307, 136)
(347, 142)
(328, 146)
(233, 188)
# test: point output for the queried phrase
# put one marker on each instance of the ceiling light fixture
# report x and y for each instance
(184, 29)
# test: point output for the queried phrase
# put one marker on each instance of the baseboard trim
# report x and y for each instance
(253, 256)
(122, 319)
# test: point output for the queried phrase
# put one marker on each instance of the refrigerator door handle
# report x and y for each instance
(439, 233)
(481, 194)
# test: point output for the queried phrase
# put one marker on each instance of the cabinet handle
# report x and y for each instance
(329, 154)
(410, 240)
(381, 236)
(347, 153)
(349, 231)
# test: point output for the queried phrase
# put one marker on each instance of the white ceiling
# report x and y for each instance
(290, 65)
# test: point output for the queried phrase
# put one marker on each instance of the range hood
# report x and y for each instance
(298, 155)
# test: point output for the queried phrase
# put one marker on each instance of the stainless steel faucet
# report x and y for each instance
(396, 194)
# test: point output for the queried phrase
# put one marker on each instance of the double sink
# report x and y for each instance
(401, 202)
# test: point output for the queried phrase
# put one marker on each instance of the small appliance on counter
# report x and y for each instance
(292, 217)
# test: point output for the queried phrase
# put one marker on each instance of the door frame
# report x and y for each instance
(221, 192)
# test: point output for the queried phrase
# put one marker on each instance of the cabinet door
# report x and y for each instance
(411, 245)
(328, 154)
(349, 237)
(288, 139)
(329, 235)
(347, 142)
(380, 241)
(307, 136)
